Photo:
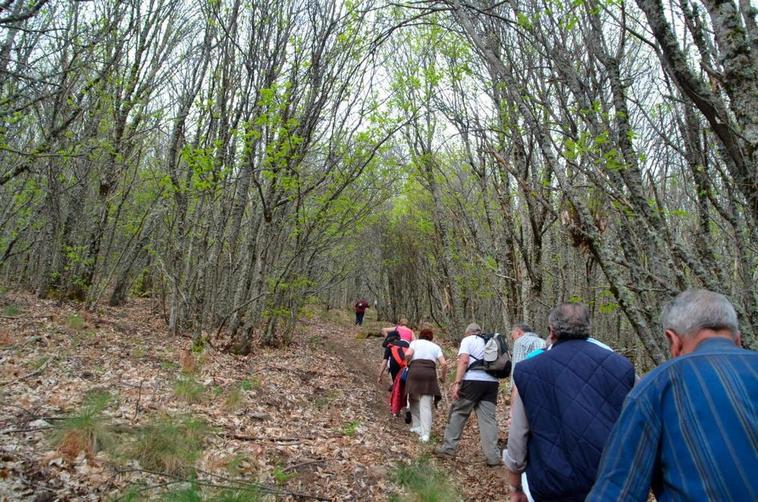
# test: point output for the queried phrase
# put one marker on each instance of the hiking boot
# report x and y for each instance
(425, 438)
(441, 452)
(408, 417)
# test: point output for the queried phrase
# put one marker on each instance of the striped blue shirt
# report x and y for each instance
(689, 431)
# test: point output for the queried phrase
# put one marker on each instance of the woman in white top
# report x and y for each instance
(422, 388)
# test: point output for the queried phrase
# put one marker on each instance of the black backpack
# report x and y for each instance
(391, 338)
(497, 358)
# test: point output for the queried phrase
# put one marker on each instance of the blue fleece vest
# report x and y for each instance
(572, 395)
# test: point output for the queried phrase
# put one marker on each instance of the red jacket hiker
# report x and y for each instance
(360, 310)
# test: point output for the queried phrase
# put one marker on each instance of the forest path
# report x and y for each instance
(468, 471)
(309, 419)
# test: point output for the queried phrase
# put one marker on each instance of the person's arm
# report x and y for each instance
(382, 368)
(443, 368)
(408, 355)
(460, 370)
(629, 457)
(514, 395)
(517, 490)
(514, 456)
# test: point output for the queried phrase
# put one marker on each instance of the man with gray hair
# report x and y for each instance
(473, 390)
(689, 430)
(566, 403)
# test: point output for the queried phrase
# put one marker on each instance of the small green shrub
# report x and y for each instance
(189, 493)
(281, 476)
(234, 465)
(198, 345)
(192, 493)
(189, 390)
(134, 493)
(87, 431)
(39, 362)
(75, 322)
(169, 365)
(351, 428)
(326, 399)
(11, 310)
(252, 383)
(170, 445)
(238, 495)
(233, 399)
(424, 483)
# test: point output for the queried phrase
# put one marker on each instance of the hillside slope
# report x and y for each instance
(306, 422)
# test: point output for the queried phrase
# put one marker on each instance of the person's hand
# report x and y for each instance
(454, 391)
(519, 497)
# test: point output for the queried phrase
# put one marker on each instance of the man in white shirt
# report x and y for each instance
(473, 389)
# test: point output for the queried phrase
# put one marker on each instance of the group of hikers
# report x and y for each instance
(583, 425)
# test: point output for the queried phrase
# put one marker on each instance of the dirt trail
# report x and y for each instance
(475, 480)
(311, 419)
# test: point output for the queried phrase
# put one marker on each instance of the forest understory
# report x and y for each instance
(104, 405)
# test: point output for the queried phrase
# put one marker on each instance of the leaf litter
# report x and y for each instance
(308, 421)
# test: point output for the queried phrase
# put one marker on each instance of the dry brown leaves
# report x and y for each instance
(308, 419)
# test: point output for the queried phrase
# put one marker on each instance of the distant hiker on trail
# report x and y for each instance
(402, 329)
(360, 310)
(689, 429)
(394, 361)
(422, 357)
(566, 403)
(525, 341)
(473, 390)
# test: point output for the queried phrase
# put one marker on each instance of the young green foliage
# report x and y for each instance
(189, 390)
(87, 431)
(170, 445)
(424, 482)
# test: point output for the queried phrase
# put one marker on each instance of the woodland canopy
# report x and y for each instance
(451, 160)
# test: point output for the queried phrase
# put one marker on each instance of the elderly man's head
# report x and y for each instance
(473, 329)
(518, 330)
(570, 321)
(696, 314)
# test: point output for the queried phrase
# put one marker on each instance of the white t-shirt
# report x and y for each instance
(424, 349)
(474, 347)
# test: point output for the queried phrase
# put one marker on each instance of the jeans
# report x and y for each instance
(359, 318)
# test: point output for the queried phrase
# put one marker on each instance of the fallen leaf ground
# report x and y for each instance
(308, 421)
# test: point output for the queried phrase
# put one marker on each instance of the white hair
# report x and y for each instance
(697, 309)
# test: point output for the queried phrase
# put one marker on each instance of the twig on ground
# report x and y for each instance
(295, 467)
(29, 375)
(139, 397)
(30, 429)
(241, 437)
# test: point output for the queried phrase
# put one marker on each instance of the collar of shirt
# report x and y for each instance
(714, 344)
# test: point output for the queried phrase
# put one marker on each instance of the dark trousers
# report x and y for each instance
(359, 318)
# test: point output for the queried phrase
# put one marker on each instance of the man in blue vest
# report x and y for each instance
(567, 402)
(689, 429)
